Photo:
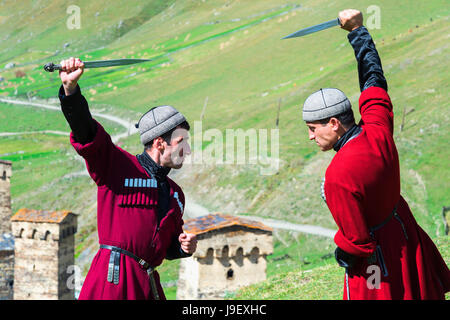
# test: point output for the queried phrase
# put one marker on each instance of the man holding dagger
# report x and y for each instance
(385, 253)
(139, 209)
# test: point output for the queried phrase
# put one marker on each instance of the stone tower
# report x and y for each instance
(6, 239)
(231, 253)
(44, 249)
(5, 196)
(6, 266)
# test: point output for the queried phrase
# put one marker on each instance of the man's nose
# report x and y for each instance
(311, 136)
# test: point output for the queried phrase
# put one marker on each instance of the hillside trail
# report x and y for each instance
(130, 128)
(55, 132)
(192, 209)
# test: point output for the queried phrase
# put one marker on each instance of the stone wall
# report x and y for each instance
(66, 258)
(36, 268)
(6, 240)
(225, 260)
(43, 252)
(6, 274)
(5, 196)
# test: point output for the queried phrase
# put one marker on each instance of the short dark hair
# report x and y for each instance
(346, 118)
(167, 136)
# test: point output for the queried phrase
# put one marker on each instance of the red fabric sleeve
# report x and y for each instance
(353, 235)
(376, 108)
(97, 154)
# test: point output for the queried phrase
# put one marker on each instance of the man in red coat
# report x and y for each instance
(139, 209)
(386, 254)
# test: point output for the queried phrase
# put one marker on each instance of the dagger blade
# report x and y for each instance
(50, 67)
(315, 28)
(112, 63)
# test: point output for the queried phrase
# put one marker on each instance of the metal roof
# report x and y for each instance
(5, 162)
(217, 221)
(40, 215)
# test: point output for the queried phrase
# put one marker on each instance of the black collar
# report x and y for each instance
(155, 170)
(351, 133)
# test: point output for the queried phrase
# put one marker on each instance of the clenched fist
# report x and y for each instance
(70, 73)
(351, 19)
(188, 242)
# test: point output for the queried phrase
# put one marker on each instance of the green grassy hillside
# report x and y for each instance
(323, 282)
(227, 53)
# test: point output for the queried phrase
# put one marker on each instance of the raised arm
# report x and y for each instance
(88, 137)
(74, 106)
(369, 64)
(375, 104)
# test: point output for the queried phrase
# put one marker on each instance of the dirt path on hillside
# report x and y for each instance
(129, 127)
(58, 133)
(192, 209)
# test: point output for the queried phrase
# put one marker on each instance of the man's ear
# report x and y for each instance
(158, 143)
(335, 124)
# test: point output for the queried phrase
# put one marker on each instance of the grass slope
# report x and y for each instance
(323, 282)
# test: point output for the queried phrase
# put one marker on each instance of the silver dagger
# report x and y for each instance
(50, 67)
(317, 27)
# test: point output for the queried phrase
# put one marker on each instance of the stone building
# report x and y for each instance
(231, 253)
(6, 266)
(44, 254)
(5, 196)
(6, 239)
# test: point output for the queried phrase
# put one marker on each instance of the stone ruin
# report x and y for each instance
(43, 254)
(231, 253)
(36, 249)
(6, 239)
(5, 196)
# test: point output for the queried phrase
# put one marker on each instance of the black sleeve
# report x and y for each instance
(369, 63)
(175, 251)
(76, 111)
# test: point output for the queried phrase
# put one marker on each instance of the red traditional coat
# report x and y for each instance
(127, 218)
(362, 187)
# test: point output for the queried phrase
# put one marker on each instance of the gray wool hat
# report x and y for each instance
(325, 103)
(158, 121)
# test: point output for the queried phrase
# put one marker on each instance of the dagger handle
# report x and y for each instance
(50, 67)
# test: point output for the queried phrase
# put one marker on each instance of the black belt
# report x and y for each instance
(378, 254)
(385, 221)
(114, 266)
(347, 260)
(382, 224)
